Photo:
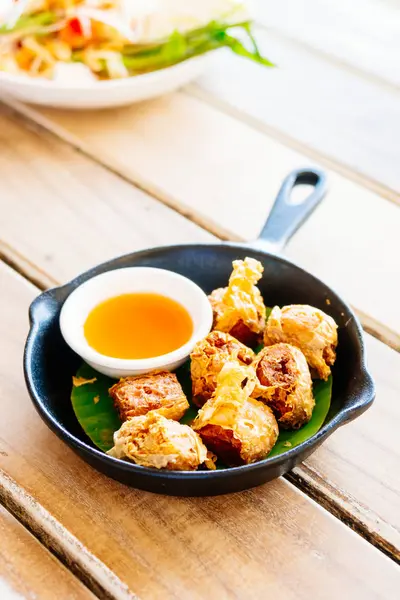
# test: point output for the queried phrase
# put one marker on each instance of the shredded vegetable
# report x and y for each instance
(117, 39)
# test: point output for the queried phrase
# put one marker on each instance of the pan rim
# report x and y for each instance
(366, 391)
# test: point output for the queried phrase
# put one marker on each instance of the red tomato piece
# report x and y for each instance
(75, 26)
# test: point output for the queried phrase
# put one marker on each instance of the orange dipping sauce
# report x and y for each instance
(140, 325)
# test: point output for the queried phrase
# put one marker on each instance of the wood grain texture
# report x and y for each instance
(271, 540)
(343, 466)
(363, 34)
(72, 553)
(79, 206)
(28, 570)
(224, 174)
(357, 471)
(309, 101)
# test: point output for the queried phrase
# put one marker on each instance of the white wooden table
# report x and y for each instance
(206, 162)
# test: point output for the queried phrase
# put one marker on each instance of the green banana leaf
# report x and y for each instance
(98, 418)
(94, 408)
(322, 391)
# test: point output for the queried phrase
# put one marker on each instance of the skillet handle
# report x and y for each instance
(286, 217)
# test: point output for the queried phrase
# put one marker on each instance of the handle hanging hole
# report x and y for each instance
(299, 194)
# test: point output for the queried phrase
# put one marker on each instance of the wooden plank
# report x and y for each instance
(356, 472)
(79, 204)
(372, 509)
(269, 540)
(225, 174)
(50, 532)
(313, 104)
(363, 34)
(28, 570)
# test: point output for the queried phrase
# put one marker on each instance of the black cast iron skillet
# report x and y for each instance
(49, 363)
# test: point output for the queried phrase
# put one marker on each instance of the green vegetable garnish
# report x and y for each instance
(147, 57)
(30, 23)
(182, 46)
(98, 418)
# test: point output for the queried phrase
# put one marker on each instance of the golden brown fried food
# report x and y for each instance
(237, 428)
(239, 308)
(307, 328)
(160, 390)
(284, 383)
(151, 440)
(207, 359)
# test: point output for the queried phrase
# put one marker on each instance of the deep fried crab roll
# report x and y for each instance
(151, 440)
(160, 390)
(237, 428)
(207, 359)
(239, 308)
(307, 328)
(284, 383)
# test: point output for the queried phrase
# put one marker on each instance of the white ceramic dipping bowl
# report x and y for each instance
(127, 281)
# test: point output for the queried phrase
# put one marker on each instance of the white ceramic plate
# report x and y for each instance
(101, 94)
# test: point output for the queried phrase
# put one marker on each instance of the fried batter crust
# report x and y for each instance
(239, 308)
(307, 328)
(237, 428)
(160, 390)
(207, 359)
(284, 383)
(151, 440)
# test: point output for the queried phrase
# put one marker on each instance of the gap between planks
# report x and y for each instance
(25, 267)
(334, 60)
(86, 567)
(35, 122)
(94, 574)
(311, 483)
(362, 33)
(43, 281)
(35, 119)
(201, 94)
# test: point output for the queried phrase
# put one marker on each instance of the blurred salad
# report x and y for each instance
(104, 39)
